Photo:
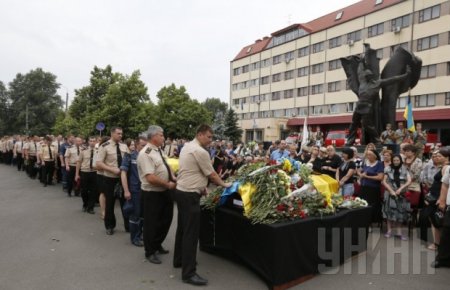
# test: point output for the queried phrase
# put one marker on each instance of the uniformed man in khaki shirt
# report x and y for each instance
(48, 156)
(18, 152)
(86, 173)
(71, 157)
(109, 159)
(31, 156)
(195, 170)
(157, 181)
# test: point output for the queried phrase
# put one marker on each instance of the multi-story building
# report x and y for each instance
(296, 73)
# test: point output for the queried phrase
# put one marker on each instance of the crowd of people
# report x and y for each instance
(400, 186)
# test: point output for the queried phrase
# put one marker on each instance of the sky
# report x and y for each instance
(185, 42)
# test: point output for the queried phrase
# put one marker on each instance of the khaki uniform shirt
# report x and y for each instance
(108, 154)
(195, 167)
(169, 150)
(85, 160)
(45, 153)
(18, 147)
(31, 147)
(73, 153)
(149, 161)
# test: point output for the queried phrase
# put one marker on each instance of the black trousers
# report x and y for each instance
(110, 218)
(70, 179)
(58, 170)
(443, 254)
(48, 168)
(158, 214)
(31, 169)
(19, 162)
(186, 239)
(88, 189)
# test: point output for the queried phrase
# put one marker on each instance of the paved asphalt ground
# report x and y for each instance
(46, 242)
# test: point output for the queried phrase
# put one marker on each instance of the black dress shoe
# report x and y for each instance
(109, 232)
(90, 211)
(437, 264)
(162, 251)
(153, 258)
(196, 280)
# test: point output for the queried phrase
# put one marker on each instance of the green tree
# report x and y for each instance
(178, 114)
(34, 93)
(4, 110)
(232, 130)
(218, 110)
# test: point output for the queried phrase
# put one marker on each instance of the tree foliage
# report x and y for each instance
(178, 114)
(37, 92)
(112, 98)
(232, 130)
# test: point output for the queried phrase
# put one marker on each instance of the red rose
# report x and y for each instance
(281, 207)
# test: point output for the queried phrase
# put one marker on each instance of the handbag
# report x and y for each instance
(413, 197)
(437, 219)
(128, 208)
(431, 200)
(118, 190)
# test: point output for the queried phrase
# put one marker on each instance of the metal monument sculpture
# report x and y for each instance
(401, 73)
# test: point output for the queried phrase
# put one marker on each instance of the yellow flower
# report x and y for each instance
(287, 166)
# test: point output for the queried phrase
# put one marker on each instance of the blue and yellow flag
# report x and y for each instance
(408, 116)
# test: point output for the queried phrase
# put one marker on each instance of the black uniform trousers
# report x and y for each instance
(110, 218)
(71, 179)
(48, 169)
(19, 161)
(443, 255)
(58, 170)
(88, 189)
(31, 169)
(188, 230)
(158, 214)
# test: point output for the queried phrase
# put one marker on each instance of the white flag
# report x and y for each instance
(305, 134)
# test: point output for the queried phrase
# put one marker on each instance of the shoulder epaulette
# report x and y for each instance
(148, 150)
(105, 144)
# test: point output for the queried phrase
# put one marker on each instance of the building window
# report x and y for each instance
(304, 51)
(278, 113)
(317, 110)
(424, 101)
(267, 114)
(447, 98)
(254, 82)
(303, 71)
(429, 13)
(265, 80)
(303, 91)
(317, 68)
(316, 89)
(379, 53)
(334, 42)
(289, 74)
(265, 62)
(254, 66)
(288, 94)
(276, 96)
(235, 87)
(354, 36)
(375, 30)
(288, 56)
(334, 86)
(276, 77)
(448, 68)
(259, 135)
(333, 108)
(334, 64)
(428, 71)
(428, 42)
(302, 111)
(350, 107)
(245, 85)
(401, 102)
(236, 102)
(245, 68)
(317, 47)
(277, 59)
(290, 112)
(236, 71)
(403, 45)
(400, 22)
